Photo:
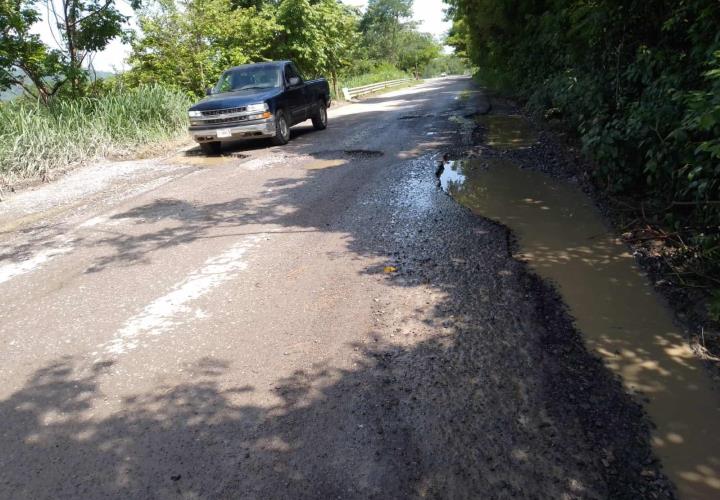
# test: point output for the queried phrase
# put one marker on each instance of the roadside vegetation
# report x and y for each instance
(37, 138)
(67, 116)
(638, 83)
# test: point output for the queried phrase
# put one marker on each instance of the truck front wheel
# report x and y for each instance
(282, 129)
(211, 148)
(319, 119)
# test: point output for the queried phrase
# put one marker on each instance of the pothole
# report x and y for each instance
(361, 154)
(197, 157)
(347, 154)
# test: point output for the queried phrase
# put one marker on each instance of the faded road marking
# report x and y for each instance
(163, 314)
(9, 271)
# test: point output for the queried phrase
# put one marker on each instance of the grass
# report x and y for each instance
(36, 140)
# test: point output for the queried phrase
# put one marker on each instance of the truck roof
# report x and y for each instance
(262, 63)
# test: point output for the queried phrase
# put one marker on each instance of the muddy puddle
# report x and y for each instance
(507, 131)
(503, 132)
(563, 238)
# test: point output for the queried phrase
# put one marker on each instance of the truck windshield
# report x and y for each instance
(249, 78)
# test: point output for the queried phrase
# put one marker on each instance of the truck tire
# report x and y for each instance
(211, 148)
(282, 129)
(319, 119)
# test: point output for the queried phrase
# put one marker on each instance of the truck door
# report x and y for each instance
(296, 98)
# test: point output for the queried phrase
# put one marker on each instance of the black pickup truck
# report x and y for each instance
(258, 100)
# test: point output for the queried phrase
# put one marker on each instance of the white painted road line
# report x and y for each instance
(13, 269)
(164, 313)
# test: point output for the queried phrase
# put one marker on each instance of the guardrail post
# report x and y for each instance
(346, 94)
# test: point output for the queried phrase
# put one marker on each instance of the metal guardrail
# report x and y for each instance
(373, 87)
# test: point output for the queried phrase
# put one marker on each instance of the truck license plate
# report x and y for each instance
(224, 132)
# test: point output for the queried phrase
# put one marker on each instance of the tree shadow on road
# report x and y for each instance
(430, 420)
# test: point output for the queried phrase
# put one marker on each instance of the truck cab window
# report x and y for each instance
(291, 72)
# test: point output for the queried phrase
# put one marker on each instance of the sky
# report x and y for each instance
(428, 14)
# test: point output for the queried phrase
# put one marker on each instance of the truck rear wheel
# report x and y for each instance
(319, 119)
(282, 129)
(211, 148)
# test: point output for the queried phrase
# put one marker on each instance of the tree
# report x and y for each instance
(320, 37)
(382, 25)
(418, 49)
(84, 27)
(188, 45)
(24, 60)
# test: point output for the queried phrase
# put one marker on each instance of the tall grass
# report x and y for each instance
(36, 139)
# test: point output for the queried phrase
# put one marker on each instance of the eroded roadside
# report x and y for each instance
(564, 239)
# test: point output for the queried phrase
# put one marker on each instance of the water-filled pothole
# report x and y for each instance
(507, 131)
(563, 238)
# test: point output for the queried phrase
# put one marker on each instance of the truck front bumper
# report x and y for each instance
(253, 130)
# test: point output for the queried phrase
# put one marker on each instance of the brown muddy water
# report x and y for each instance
(563, 238)
(507, 131)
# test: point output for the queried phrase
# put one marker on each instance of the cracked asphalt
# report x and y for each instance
(313, 321)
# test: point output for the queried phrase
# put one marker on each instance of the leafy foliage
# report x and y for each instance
(83, 26)
(321, 37)
(382, 26)
(187, 45)
(418, 50)
(23, 56)
(638, 81)
(450, 64)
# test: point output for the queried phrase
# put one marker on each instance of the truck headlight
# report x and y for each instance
(194, 114)
(254, 108)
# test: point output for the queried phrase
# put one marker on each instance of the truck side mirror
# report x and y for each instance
(294, 80)
(209, 91)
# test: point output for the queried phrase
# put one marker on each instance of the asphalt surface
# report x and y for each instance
(313, 321)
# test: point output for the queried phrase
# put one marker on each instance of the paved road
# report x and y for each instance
(313, 321)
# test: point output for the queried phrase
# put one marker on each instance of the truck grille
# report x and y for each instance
(227, 111)
(231, 119)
